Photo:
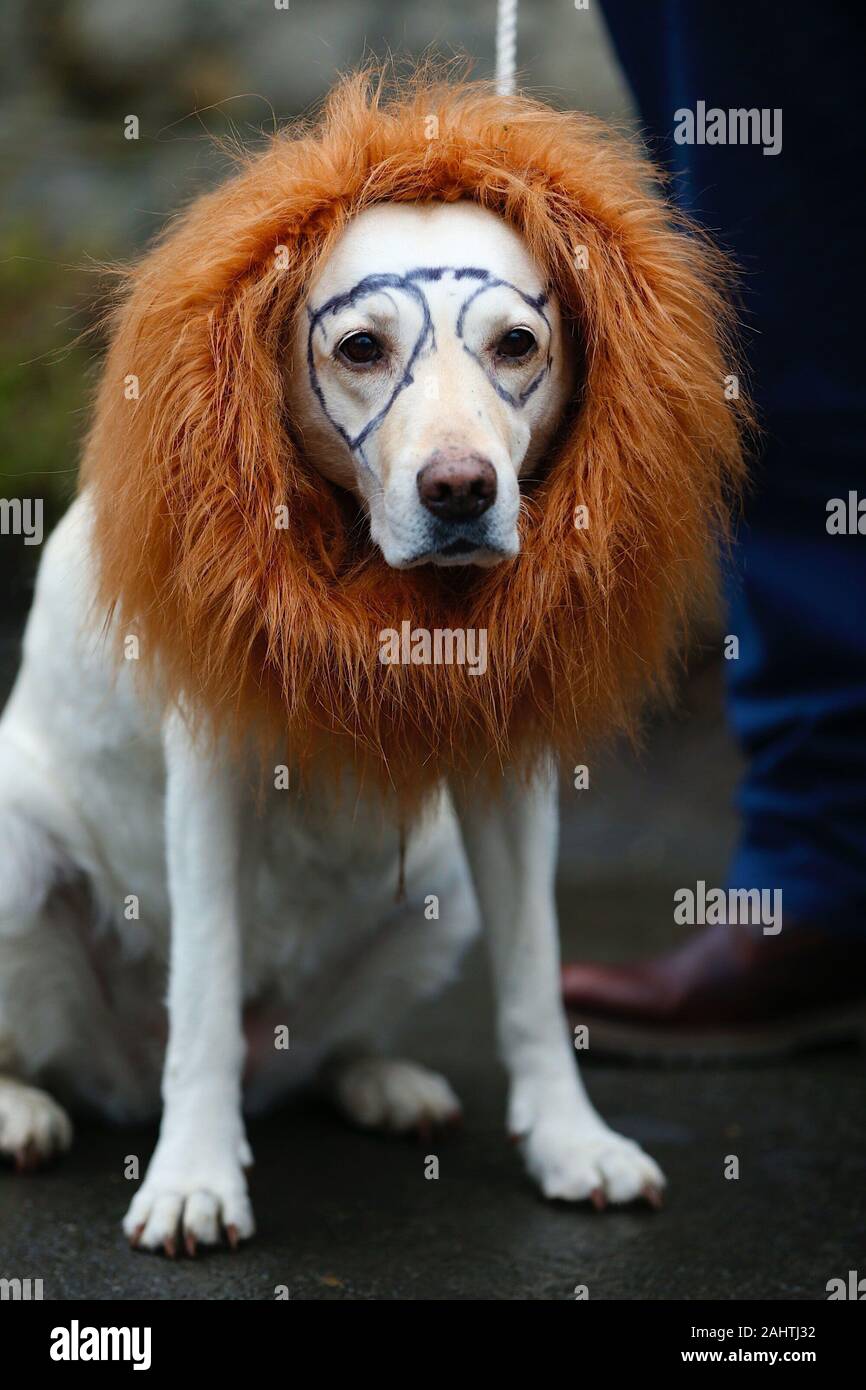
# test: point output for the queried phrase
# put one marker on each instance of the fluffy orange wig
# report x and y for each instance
(277, 630)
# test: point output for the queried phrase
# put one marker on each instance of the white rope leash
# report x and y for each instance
(506, 46)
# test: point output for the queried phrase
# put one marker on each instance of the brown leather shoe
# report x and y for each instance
(726, 995)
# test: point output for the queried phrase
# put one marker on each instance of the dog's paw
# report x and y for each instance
(33, 1127)
(390, 1094)
(596, 1165)
(191, 1196)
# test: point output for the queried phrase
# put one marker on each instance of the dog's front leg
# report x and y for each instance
(195, 1186)
(569, 1150)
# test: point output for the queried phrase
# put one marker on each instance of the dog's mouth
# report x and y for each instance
(467, 543)
(461, 550)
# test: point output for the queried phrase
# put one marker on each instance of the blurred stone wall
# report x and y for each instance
(72, 70)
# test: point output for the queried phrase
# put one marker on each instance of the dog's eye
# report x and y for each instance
(360, 348)
(517, 342)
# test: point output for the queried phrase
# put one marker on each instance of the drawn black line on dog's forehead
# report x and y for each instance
(411, 283)
(430, 274)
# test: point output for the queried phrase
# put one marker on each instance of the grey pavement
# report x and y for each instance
(343, 1215)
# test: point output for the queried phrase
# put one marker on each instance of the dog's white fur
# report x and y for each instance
(129, 849)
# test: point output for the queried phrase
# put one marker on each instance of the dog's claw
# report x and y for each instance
(136, 1235)
(233, 1237)
(598, 1198)
(29, 1157)
(429, 1125)
(33, 1127)
(191, 1245)
(169, 1245)
(653, 1196)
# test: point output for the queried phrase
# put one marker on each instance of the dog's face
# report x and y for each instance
(430, 371)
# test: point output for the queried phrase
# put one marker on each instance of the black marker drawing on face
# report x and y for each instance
(491, 284)
(410, 283)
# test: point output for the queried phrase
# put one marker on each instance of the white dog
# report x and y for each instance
(435, 371)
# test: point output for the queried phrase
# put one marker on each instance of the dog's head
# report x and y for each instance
(429, 374)
(445, 359)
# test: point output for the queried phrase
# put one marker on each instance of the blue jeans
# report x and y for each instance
(794, 221)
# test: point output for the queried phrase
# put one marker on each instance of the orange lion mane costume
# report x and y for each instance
(277, 630)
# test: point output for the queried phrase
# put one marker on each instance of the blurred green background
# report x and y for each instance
(77, 194)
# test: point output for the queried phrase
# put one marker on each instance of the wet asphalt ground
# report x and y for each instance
(344, 1215)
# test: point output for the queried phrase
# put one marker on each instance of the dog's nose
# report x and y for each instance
(457, 487)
